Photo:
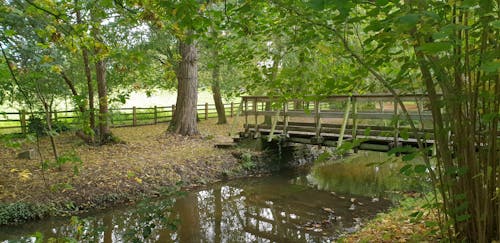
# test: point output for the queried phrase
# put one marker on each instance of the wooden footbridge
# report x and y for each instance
(367, 122)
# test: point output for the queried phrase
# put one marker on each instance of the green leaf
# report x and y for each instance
(491, 67)
(323, 157)
(409, 157)
(404, 134)
(420, 169)
(495, 24)
(462, 218)
(9, 33)
(434, 47)
(406, 170)
(318, 4)
(381, 2)
(409, 20)
(431, 224)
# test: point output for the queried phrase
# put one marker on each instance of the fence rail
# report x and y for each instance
(18, 122)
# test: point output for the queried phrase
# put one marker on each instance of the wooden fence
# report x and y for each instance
(18, 122)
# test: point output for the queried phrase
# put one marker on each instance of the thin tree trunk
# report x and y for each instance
(90, 87)
(219, 105)
(88, 74)
(184, 120)
(48, 119)
(73, 90)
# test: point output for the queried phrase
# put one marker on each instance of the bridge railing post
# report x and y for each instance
(354, 120)
(285, 118)
(396, 123)
(245, 101)
(344, 122)
(256, 117)
(317, 120)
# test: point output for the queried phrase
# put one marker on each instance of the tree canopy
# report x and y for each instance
(448, 50)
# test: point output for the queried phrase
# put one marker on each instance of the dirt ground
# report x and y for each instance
(149, 160)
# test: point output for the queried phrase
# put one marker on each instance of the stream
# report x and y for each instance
(331, 199)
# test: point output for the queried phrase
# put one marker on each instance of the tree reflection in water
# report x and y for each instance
(280, 208)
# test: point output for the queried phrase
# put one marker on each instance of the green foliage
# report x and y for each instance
(38, 126)
(247, 161)
(14, 213)
(68, 158)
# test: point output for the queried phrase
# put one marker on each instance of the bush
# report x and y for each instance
(38, 126)
(13, 213)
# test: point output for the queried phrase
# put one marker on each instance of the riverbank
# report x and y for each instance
(98, 177)
(406, 222)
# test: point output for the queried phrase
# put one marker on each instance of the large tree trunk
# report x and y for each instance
(184, 120)
(219, 105)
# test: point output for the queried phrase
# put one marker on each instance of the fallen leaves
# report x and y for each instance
(149, 160)
(395, 226)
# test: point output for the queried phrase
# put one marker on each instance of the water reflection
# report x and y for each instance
(282, 208)
(367, 173)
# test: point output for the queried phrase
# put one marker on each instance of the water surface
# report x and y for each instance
(334, 198)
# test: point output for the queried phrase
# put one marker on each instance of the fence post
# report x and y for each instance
(134, 116)
(173, 111)
(206, 111)
(155, 115)
(55, 115)
(232, 109)
(22, 118)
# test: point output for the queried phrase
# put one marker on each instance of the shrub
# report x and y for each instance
(13, 213)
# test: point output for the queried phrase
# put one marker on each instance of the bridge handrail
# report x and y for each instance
(325, 108)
